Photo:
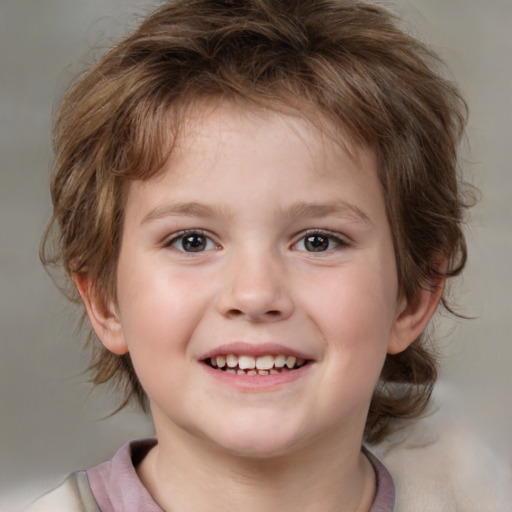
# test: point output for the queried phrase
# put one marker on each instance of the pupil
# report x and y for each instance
(317, 243)
(194, 243)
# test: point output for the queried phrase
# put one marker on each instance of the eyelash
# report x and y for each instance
(182, 236)
(329, 236)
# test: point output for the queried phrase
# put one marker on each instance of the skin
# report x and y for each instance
(256, 188)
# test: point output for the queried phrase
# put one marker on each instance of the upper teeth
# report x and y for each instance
(266, 362)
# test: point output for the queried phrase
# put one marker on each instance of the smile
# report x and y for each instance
(251, 366)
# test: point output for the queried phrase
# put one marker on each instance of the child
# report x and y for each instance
(258, 203)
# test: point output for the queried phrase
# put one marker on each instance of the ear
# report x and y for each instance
(413, 316)
(103, 315)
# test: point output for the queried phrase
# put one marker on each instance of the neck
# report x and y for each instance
(192, 476)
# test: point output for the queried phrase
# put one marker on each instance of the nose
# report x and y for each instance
(255, 288)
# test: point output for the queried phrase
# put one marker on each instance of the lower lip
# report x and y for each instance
(257, 382)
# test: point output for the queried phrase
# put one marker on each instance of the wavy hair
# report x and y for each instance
(345, 60)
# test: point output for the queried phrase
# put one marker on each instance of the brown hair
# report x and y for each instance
(345, 59)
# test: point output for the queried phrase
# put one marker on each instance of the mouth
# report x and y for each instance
(252, 366)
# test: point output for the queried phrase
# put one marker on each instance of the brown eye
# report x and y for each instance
(321, 241)
(316, 243)
(192, 242)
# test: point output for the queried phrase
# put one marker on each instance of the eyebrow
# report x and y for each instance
(182, 209)
(337, 208)
(297, 210)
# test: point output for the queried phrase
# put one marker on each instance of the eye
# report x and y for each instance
(192, 241)
(319, 241)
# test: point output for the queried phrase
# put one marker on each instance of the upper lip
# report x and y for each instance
(241, 348)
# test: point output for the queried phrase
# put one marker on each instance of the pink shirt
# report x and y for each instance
(117, 488)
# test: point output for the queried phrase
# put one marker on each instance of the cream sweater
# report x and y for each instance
(444, 463)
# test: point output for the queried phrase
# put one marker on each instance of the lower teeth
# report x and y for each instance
(251, 373)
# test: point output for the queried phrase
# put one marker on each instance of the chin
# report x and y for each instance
(258, 442)
(258, 451)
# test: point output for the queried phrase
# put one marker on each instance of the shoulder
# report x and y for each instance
(443, 462)
(73, 495)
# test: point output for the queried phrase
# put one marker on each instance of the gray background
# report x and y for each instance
(51, 422)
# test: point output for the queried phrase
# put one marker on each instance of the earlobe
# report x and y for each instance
(413, 316)
(102, 315)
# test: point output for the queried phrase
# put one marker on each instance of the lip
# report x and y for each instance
(257, 382)
(241, 348)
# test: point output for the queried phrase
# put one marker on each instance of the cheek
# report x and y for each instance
(159, 316)
(159, 308)
(354, 306)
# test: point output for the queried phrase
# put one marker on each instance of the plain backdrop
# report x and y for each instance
(51, 422)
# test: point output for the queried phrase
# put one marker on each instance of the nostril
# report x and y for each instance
(236, 313)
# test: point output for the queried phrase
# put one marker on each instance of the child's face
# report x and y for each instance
(261, 238)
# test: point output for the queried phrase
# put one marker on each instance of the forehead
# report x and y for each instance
(217, 117)
(215, 126)
(224, 151)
